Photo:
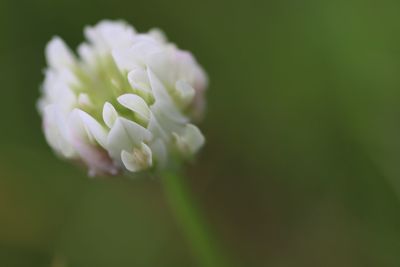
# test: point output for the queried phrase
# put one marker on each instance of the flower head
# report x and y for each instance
(124, 103)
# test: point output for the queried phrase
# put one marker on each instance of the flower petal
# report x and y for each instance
(56, 131)
(125, 135)
(159, 151)
(158, 89)
(185, 91)
(158, 35)
(136, 104)
(58, 55)
(109, 114)
(110, 34)
(82, 136)
(190, 141)
(138, 80)
(95, 131)
(84, 100)
(163, 101)
(140, 158)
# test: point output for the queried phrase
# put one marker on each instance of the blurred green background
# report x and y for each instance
(302, 162)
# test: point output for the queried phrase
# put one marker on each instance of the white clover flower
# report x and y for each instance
(125, 103)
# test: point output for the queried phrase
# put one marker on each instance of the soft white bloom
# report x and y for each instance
(124, 103)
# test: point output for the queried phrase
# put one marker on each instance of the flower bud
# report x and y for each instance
(124, 103)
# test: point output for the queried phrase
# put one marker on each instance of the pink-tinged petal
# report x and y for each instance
(94, 156)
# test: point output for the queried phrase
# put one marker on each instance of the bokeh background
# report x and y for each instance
(302, 162)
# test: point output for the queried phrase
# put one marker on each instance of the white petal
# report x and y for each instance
(82, 138)
(94, 130)
(156, 129)
(158, 89)
(136, 132)
(158, 34)
(56, 131)
(159, 153)
(163, 102)
(125, 135)
(67, 76)
(84, 100)
(138, 80)
(136, 104)
(140, 158)
(190, 141)
(58, 54)
(161, 94)
(59, 93)
(109, 114)
(143, 47)
(186, 92)
(110, 34)
(163, 66)
(194, 137)
(124, 60)
(168, 118)
(87, 53)
(135, 56)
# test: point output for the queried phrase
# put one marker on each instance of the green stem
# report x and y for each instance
(191, 221)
